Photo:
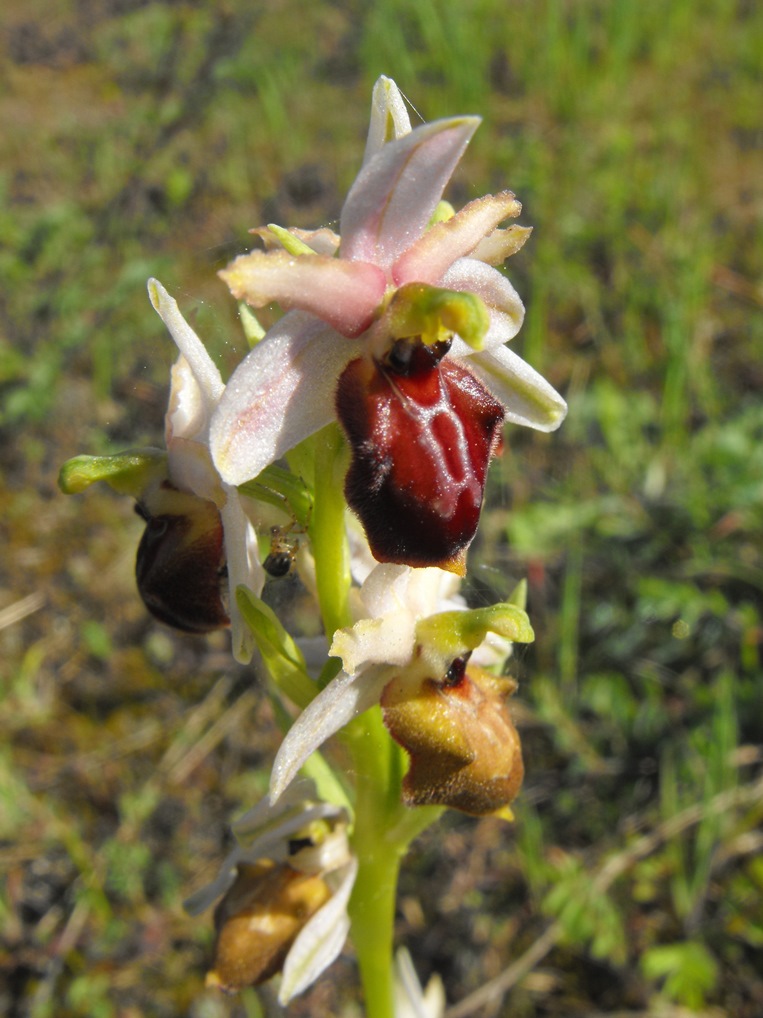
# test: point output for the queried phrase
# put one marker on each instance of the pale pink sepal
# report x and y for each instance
(321, 939)
(203, 367)
(191, 469)
(396, 192)
(343, 699)
(428, 259)
(188, 411)
(528, 398)
(186, 430)
(341, 293)
(281, 392)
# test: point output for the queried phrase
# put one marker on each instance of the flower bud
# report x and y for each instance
(464, 750)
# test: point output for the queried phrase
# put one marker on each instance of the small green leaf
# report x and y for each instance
(280, 653)
(250, 323)
(689, 969)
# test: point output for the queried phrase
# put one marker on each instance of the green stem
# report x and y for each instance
(382, 831)
(372, 907)
(376, 757)
(372, 911)
(382, 827)
(327, 531)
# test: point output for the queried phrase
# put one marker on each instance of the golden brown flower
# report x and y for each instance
(456, 727)
(282, 894)
(259, 919)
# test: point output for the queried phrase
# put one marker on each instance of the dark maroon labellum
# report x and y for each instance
(422, 432)
(180, 568)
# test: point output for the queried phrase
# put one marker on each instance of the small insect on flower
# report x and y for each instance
(284, 545)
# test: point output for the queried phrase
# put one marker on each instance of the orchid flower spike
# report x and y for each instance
(284, 891)
(397, 328)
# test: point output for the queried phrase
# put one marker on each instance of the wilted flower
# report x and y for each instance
(413, 627)
(455, 725)
(197, 532)
(380, 337)
(285, 889)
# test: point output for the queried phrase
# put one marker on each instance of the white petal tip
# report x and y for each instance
(156, 294)
(554, 418)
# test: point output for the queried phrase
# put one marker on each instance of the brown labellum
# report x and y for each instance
(180, 565)
(259, 919)
(422, 432)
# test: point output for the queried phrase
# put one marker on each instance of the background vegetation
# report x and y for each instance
(145, 138)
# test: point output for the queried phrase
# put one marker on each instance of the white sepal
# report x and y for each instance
(343, 699)
(321, 939)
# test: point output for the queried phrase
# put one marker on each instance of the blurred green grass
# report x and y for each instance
(145, 139)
